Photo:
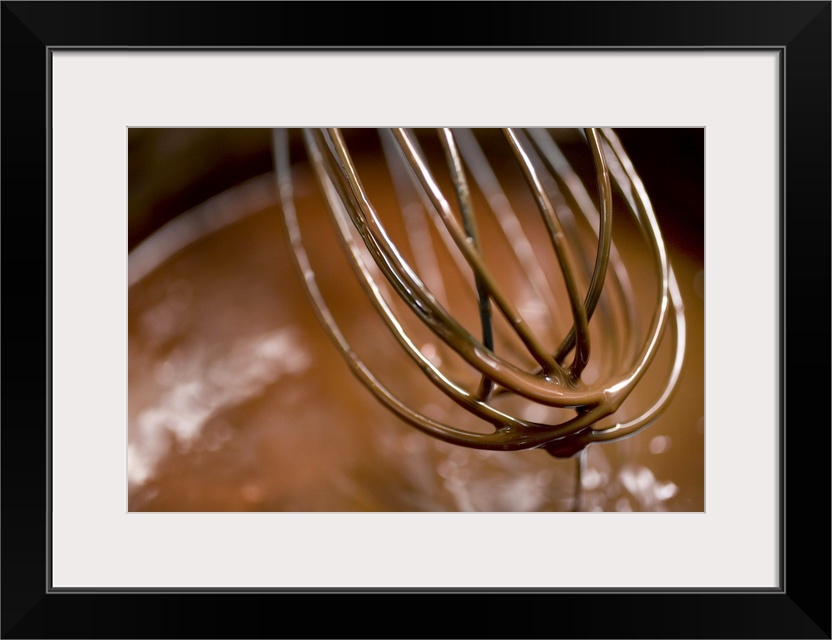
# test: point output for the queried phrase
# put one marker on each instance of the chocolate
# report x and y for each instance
(238, 400)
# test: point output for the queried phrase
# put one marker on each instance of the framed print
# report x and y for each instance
(185, 454)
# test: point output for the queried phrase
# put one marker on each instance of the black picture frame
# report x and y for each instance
(799, 608)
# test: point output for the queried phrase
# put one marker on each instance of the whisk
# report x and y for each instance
(546, 360)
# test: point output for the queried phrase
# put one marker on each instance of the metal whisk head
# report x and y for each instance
(557, 323)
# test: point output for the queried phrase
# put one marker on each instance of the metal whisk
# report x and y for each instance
(556, 350)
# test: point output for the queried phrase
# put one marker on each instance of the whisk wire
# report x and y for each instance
(474, 259)
(379, 264)
(469, 224)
